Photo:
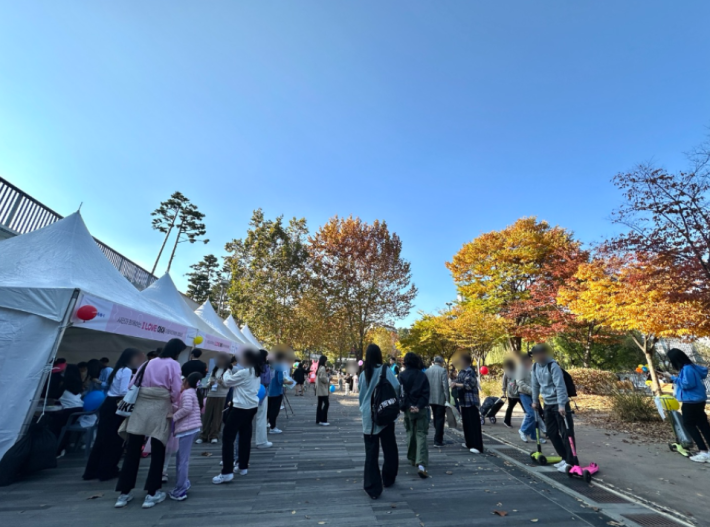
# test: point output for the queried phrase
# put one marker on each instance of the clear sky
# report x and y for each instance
(446, 119)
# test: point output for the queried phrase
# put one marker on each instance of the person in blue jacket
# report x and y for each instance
(690, 391)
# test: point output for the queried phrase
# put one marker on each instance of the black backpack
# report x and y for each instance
(569, 382)
(384, 403)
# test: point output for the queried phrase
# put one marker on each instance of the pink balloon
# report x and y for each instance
(359, 363)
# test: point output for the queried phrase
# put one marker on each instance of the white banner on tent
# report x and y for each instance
(122, 320)
(218, 344)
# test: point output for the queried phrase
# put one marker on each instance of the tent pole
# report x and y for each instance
(48, 367)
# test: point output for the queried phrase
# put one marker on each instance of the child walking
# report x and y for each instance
(187, 425)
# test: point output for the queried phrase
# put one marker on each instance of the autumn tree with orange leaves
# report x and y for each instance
(516, 273)
(358, 268)
(637, 294)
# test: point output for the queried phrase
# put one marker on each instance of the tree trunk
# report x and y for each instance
(177, 240)
(655, 385)
(162, 247)
(587, 358)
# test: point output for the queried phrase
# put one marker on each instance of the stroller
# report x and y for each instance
(490, 408)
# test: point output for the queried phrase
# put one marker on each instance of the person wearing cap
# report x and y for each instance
(438, 395)
(548, 382)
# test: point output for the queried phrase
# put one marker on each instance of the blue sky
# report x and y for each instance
(446, 119)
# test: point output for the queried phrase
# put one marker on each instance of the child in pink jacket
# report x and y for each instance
(187, 423)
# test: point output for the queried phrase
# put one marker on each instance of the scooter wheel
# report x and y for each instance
(567, 470)
(492, 420)
(542, 460)
(671, 447)
(532, 455)
(587, 476)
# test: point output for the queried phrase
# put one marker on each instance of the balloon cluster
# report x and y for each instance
(641, 369)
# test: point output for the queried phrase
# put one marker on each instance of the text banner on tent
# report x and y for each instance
(217, 344)
(122, 320)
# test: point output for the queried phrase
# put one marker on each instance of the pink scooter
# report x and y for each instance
(577, 471)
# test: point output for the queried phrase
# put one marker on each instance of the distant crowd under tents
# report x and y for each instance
(61, 297)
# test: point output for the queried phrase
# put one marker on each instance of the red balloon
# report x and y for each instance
(87, 312)
(484, 370)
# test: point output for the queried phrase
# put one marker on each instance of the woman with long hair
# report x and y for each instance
(467, 385)
(160, 382)
(690, 390)
(414, 401)
(93, 375)
(214, 402)
(245, 384)
(108, 446)
(375, 435)
(322, 392)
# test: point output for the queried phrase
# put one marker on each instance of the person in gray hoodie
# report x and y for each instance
(438, 396)
(549, 383)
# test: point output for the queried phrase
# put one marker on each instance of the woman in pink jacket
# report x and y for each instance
(187, 425)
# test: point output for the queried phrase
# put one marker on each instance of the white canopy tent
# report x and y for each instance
(234, 328)
(248, 334)
(45, 276)
(207, 313)
(166, 295)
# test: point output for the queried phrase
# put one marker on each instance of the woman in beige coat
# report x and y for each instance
(322, 392)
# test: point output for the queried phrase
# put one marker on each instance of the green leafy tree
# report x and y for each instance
(205, 281)
(269, 277)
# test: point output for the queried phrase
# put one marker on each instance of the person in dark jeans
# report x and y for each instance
(469, 401)
(438, 396)
(549, 383)
(510, 390)
(373, 435)
(690, 390)
(323, 392)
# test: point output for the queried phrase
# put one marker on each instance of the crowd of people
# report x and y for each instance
(154, 405)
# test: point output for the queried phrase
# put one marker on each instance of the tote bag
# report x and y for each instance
(125, 407)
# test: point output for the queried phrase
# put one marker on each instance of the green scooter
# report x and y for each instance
(538, 456)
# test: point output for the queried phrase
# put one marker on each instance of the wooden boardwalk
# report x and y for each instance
(312, 476)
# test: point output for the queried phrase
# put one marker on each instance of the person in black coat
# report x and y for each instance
(414, 402)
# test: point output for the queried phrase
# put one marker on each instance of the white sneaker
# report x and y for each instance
(464, 445)
(282, 407)
(701, 457)
(324, 424)
(563, 468)
(222, 478)
(268, 444)
(275, 431)
(199, 441)
(123, 500)
(165, 478)
(152, 501)
(542, 440)
(523, 436)
(474, 451)
(214, 441)
(560, 464)
(240, 472)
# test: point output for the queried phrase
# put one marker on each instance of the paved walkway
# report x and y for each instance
(313, 476)
(646, 471)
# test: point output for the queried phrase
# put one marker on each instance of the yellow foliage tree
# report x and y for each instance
(475, 330)
(637, 295)
(429, 337)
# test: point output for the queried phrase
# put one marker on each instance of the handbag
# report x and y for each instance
(128, 403)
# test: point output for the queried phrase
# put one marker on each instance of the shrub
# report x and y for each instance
(593, 382)
(490, 387)
(633, 407)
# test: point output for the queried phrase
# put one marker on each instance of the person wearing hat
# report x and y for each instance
(438, 395)
(548, 382)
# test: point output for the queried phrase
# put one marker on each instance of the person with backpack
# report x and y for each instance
(550, 382)
(469, 401)
(523, 381)
(414, 402)
(379, 408)
(690, 390)
(510, 390)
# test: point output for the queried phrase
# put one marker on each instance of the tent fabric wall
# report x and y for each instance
(234, 328)
(26, 342)
(248, 334)
(207, 313)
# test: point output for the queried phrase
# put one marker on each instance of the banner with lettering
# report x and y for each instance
(122, 320)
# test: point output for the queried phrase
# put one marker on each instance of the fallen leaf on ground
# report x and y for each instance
(94, 496)
(207, 454)
(500, 513)
(449, 472)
